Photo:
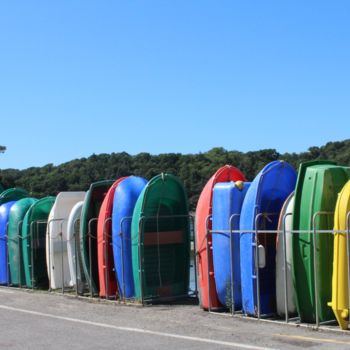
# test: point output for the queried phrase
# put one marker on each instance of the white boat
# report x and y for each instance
(57, 239)
(73, 246)
(285, 225)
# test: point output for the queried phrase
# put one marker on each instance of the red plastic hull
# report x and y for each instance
(204, 209)
(104, 240)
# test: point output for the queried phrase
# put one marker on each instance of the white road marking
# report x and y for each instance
(138, 330)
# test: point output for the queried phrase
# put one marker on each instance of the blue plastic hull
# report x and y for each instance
(4, 216)
(266, 194)
(227, 202)
(125, 198)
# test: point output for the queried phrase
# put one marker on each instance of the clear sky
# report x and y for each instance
(83, 77)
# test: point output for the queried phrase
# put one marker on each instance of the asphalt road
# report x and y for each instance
(38, 320)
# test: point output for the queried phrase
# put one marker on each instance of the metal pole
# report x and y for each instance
(207, 253)
(123, 264)
(62, 260)
(90, 265)
(19, 246)
(90, 236)
(49, 241)
(7, 254)
(316, 295)
(195, 255)
(106, 257)
(49, 245)
(285, 267)
(348, 253)
(231, 266)
(140, 259)
(315, 268)
(31, 235)
(257, 274)
(76, 256)
(122, 252)
(232, 217)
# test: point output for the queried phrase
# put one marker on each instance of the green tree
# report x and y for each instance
(193, 169)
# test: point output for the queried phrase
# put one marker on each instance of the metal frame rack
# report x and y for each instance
(106, 237)
(283, 233)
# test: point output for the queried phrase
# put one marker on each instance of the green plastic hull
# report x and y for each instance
(90, 211)
(163, 245)
(33, 243)
(316, 191)
(12, 194)
(17, 213)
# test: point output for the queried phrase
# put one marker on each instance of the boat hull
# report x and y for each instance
(17, 213)
(340, 282)
(285, 226)
(227, 203)
(12, 194)
(34, 242)
(4, 217)
(106, 270)
(204, 260)
(316, 191)
(125, 199)
(161, 240)
(265, 195)
(73, 248)
(57, 237)
(88, 232)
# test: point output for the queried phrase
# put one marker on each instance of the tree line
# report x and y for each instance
(193, 169)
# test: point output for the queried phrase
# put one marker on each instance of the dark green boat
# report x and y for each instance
(161, 240)
(90, 211)
(12, 194)
(33, 243)
(14, 229)
(318, 185)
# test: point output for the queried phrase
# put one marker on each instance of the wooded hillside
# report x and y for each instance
(193, 169)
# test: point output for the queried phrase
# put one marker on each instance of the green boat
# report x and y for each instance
(33, 243)
(161, 240)
(17, 213)
(12, 194)
(317, 187)
(90, 211)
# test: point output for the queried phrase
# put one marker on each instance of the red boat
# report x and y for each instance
(203, 211)
(106, 273)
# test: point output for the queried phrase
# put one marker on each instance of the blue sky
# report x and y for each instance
(83, 77)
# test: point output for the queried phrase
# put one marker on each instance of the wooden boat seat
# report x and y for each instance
(163, 237)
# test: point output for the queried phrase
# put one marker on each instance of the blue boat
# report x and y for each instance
(4, 216)
(125, 197)
(227, 202)
(265, 195)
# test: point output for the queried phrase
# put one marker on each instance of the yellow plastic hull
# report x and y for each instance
(340, 289)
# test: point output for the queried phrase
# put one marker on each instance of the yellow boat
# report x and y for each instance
(340, 289)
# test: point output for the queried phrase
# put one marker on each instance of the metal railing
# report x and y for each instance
(32, 243)
(313, 231)
(107, 241)
(190, 228)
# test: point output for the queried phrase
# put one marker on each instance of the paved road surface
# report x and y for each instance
(49, 321)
